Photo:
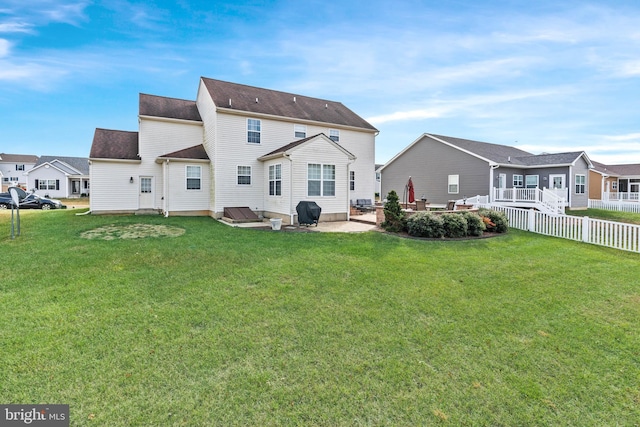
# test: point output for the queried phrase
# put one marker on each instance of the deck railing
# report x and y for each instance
(614, 196)
(584, 229)
(544, 200)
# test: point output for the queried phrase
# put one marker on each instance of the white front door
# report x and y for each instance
(557, 184)
(145, 198)
(502, 184)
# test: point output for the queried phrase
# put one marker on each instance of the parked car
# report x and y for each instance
(32, 201)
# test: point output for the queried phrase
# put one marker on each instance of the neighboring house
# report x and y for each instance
(443, 168)
(66, 177)
(235, 146)
(615, 182)
(13, 168)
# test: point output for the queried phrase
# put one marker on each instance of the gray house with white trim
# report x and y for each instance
(59, 177)
(444, 168)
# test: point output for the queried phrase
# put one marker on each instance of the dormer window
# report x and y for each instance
(300, 131)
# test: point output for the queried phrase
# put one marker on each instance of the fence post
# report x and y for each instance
(586, 232)
(531, 220)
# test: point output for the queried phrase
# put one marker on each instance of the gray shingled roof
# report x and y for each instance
(196, 152)
(114, 144)
(173, 108)
(494, 152)
(80, 164)
(627, 169)
(505, 154)
(18, 158)
(266, 101)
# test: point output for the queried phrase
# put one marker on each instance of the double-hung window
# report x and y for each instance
(453, 184)
(518, 181)
(531, 181)
(46, 184)
(581, 181)
(334, 135)
(19, 167)
(299, 131)
(275, 180)
(253, 131)
(321, 180)
(352, 180)
(194, 177)
(244, 175)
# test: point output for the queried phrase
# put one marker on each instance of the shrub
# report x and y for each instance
(394, 219)
(425, 224)
(475, 224)
(495, 221)
(455, 225)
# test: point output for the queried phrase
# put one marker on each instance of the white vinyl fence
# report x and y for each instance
(615, 205)
(615, 235)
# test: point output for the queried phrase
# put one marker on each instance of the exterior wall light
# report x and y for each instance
(131, 180)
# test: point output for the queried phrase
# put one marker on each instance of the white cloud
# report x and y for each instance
(5, 47)
(15, 27)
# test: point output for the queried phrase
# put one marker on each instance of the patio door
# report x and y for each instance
(75, 187)
(145, 197)
(557, 184)
(502, 184)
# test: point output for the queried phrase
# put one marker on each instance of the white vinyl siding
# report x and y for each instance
(453, 184)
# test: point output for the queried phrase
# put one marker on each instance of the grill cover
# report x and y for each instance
(308, 213)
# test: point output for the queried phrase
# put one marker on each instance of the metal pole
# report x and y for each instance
(12, 233)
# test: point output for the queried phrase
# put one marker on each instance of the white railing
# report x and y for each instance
(614, 196)
(615, 205)
(544, 200)
(611, 234)
(476, 201)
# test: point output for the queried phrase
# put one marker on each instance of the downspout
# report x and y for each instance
(288, 157)
(349, 163)
(165, 186)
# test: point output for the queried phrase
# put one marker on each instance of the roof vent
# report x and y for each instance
(294, 99)
(509, 159)
(229, 102)
(256, 100)
(326, 105)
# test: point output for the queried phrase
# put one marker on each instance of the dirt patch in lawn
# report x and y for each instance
(132, 231)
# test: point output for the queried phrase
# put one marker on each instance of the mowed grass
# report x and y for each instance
(618, 216)
(224, 326)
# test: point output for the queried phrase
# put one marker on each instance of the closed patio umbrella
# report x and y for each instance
(412, 195)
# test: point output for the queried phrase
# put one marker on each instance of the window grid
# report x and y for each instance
(244, 175)
(580, 184)
(321, 180)
(194, 175)
(334, 135)
(253, 131)
(518, 181)
(275, 180)
(453, 184)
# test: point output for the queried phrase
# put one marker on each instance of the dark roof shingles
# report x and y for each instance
(172, 108)
(196, 152)
(266, 101)
(114, 144)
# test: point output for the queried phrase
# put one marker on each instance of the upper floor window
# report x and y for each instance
(244, 175)
(19, 167)
(352, 180)
(275, 180)
(334, 135)
(531, 181)
(321, 180)
(518, 181)
(454, 184)
(581, 181)
(300, 131)
(194, 177)
(253, 131)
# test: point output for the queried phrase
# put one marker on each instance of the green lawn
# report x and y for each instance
(224, 326)
(628, 217)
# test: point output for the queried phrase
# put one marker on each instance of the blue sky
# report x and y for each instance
(545, 76)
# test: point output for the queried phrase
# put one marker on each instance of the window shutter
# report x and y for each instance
(57, 184)
(36, 184)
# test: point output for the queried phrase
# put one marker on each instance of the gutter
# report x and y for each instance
(288, 157)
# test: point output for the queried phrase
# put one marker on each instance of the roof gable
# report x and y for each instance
(287, 149)
(233, 96)
(114, 144)
(69, 165)
(18, 158)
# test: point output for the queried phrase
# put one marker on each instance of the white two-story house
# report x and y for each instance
(235, 146)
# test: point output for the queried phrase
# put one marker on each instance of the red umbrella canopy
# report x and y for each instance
(412, 195)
